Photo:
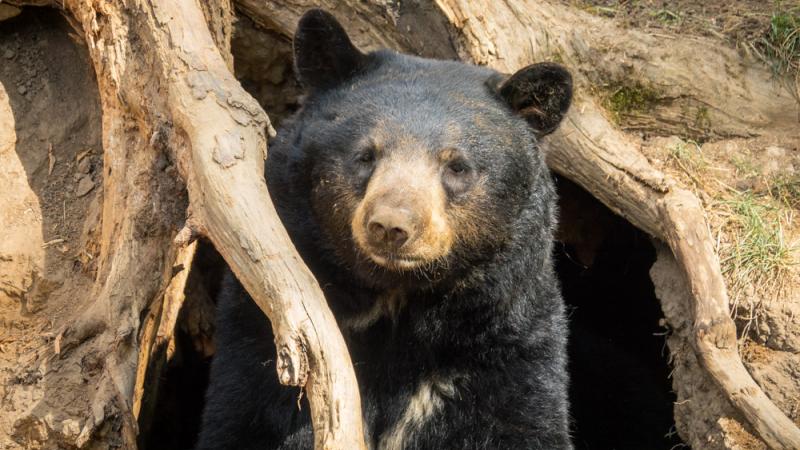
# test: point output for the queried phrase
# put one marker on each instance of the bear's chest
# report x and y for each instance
(383, 337)
(374, 310)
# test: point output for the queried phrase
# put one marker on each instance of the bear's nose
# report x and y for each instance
(390, 227)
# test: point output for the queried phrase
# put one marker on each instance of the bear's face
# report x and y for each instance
(417, 167)
(401, 191)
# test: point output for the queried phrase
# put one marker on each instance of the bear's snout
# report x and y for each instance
(401, 222)
(390, 228)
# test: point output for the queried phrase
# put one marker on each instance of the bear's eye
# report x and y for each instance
(367, 155)
(458, 176)
(458, 167)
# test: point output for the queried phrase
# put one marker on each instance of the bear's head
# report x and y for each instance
(418, 168)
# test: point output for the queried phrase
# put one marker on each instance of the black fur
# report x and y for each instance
(486, 323)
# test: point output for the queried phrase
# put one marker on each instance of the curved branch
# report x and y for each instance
(216, 132)
(687, 234)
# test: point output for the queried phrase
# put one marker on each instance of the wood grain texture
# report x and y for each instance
(166, 86)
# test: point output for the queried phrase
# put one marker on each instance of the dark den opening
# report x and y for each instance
(620, 392)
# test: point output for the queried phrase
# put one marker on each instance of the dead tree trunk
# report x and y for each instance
(164, 75)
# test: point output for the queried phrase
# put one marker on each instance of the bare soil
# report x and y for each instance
(51, 171)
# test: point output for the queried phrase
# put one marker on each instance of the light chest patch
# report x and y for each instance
(388, 304)
(425, 402)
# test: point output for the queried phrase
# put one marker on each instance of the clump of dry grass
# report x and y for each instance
(786, 189)
(755, 252)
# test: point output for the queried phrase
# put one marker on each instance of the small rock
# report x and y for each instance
(85, 165)
(775, 152)
(9, 54)
(85, 185)
(774, 157)
(22, 89)
(746, 184)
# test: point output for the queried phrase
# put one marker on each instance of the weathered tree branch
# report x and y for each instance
(687, 234)
(222, 162)
(164, 78)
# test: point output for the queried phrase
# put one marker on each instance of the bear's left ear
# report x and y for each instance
(541, 93)
(323, 53)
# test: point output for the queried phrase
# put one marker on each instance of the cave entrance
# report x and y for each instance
(620, 392)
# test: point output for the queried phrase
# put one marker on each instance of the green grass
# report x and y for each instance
(744, 167)
(667, 17)
(782, 186)
(702, 118)
(602, 11)
(688, 155)
(782, 43)
(758, 253)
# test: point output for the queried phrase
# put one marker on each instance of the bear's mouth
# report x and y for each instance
(396, 262)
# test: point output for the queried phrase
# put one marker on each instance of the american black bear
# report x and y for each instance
(416, 192)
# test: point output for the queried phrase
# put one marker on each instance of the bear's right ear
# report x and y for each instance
(323, 54)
